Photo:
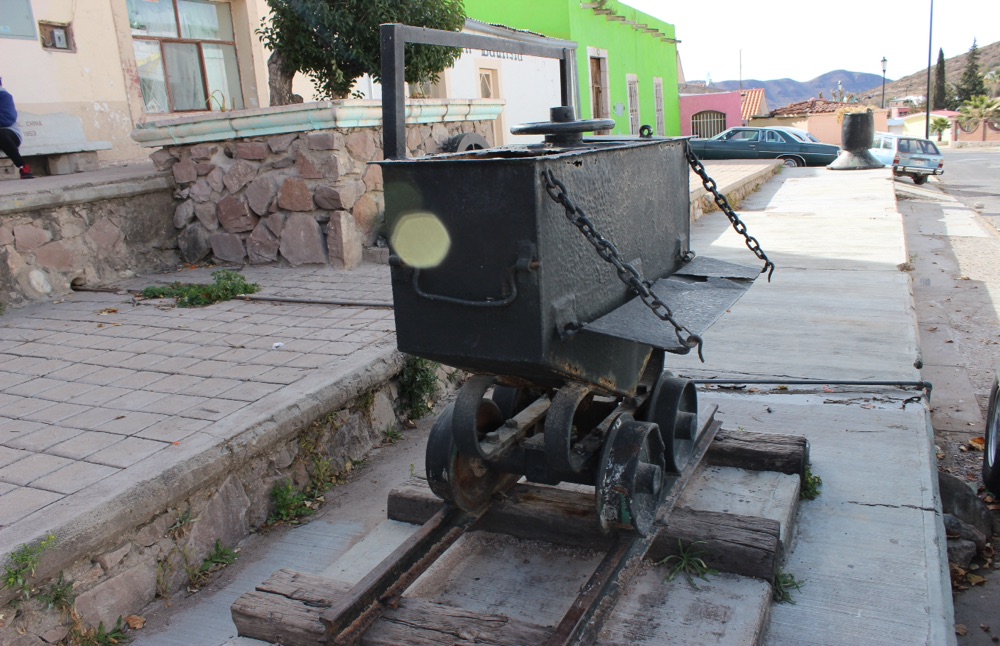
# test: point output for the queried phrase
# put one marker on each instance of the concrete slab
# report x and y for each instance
(724, 609)
(870, 548)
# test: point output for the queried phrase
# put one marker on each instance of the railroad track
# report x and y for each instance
(294, 608)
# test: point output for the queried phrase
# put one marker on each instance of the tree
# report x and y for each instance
(336, 41)
(971, 84)
(992, 81)
(939, 125)
(977, 110)
(940, 91)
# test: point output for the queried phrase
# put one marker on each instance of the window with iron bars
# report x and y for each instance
(185, 54)
(661, 126)
(633, 103)
(707, 123)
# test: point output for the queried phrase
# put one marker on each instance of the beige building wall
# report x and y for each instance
(98, 82)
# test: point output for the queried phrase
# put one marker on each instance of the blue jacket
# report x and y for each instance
(8, 113)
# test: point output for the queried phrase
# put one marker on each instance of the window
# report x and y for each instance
(489, 88)
(16, 20)
(708, 123)
(661, 126)
(633, 103)
(185, 52)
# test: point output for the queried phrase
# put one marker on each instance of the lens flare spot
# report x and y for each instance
(421, 240)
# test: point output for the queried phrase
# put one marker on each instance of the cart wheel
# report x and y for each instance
(630, 479)
(673, 406)
(991, 453)
(466, 482)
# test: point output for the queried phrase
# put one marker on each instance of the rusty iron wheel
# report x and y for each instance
(631, 481)
(673, 406)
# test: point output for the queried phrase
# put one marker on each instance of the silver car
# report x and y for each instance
(913, 157)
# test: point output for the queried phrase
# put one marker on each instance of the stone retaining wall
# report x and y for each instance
(296, 198)
(157, 556)
(46, 249)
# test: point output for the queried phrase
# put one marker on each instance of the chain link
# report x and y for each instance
(723, 204)
(627, 273)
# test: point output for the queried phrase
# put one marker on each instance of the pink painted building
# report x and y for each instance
(706, 115)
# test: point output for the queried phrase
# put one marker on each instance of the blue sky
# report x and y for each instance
(801, 40)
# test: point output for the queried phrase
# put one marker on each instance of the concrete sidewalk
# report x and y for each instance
(110, 411)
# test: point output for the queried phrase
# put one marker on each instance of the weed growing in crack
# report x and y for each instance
(290, 504)
(227, 285)
(81, 635)
(418, 387)
(784, 583)
(59, 595)
(392, 435)
(811, 486)
(21, 566)
(688, 561)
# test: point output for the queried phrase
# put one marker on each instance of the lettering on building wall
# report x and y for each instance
(491, 54)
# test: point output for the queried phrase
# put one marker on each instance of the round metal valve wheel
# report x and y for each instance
(673, 406)
(563, 129)
(630, 478)
(464, 481)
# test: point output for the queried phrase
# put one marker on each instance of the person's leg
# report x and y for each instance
(9, 145)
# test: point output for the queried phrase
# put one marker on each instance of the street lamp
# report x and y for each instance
(884, 61)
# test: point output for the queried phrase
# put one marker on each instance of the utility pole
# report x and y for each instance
(930, 34)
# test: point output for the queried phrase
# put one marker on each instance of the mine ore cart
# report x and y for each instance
(560, 275)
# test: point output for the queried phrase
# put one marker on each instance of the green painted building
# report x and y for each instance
(626, 60)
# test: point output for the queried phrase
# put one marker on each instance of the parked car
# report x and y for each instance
(910, 156)
(991, 453)
(765, 143)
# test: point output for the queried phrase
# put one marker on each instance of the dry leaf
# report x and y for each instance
(975, 579)
(961, 630)
(964, 278)
(108, 310)
(135, 622)
(932, 329)
(978, 443)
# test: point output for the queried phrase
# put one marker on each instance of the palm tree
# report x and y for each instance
(939, 125)
(977, 110)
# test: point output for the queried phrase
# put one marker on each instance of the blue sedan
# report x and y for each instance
(765, 143)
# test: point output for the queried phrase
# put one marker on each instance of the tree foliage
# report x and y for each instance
(940, 86)
(977, 110)
(336, 41)
(939, 125)
(971, 84)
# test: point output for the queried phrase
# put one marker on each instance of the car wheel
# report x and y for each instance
(991, 461)
(789, 162)
(919, 179)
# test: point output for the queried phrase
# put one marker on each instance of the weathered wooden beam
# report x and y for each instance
(286, 609)
(760, 452)
(727, 542)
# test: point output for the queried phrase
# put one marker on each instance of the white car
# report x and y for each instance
(914, 157)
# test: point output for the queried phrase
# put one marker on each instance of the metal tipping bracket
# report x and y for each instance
(394, 36)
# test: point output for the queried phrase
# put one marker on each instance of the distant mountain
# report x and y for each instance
(781, 92)
(916, 84)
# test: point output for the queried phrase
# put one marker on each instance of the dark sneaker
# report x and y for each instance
(26, 172)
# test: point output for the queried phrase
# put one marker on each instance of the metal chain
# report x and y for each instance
(626, 272)
(723, 204)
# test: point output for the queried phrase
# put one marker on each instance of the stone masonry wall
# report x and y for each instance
(44, 251)
(159, 557)
(297, 199)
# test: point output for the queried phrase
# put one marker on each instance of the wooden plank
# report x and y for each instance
(349, 615)
(732, 543)
(760, 452)
(286, 609)
(417, 622)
